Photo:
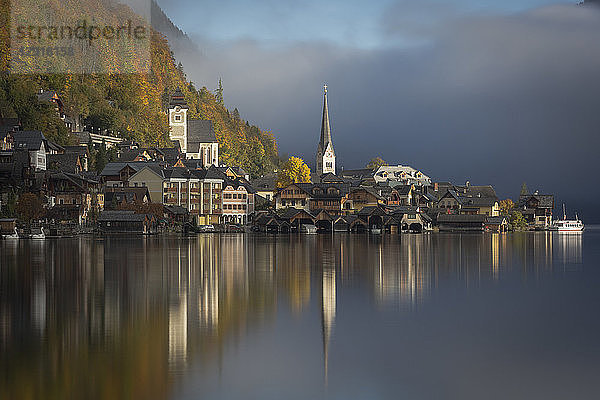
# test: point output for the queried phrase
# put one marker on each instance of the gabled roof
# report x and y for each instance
(176, 210)
(461, 218)
(177, 173)
(371, 210)
(178, 99)
(330, 178)
(47, 96)
(121, 216)
(290, 213)
(403, 190)
(266, 183)
(79, 150)
(128, 155)
(113, 168)
(478, 201)
(199, 131)
(154, 168)
(544, 200)
(29, 140)
(357, 173)
(67, 162)
(170, 153)
(78, 179)
(403, 209)
(372, 191)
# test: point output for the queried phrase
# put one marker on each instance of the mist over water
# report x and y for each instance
(345, 316)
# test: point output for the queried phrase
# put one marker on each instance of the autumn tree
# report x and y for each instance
(506, 206)
(294, 170)
(29, 207)
(375, 163)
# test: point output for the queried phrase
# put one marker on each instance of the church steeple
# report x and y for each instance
(325, 152)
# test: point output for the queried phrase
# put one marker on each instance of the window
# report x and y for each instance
(178, 118)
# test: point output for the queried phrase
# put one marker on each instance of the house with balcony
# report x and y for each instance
(198, 191)
(238, 201)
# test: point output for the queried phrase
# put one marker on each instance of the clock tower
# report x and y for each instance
(325, 152)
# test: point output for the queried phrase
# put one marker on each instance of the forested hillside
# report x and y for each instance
(128, 105)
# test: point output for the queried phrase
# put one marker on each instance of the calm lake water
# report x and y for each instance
(438, 316)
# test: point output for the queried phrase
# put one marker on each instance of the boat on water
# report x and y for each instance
(308, 228)
(14, 235)
(39, 234)
(565, 225)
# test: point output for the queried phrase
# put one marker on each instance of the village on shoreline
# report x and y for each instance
(49, 190)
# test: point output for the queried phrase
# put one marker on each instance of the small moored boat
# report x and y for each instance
(14, 235)
(308, 228)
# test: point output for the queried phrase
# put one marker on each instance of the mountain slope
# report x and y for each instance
(128, 105)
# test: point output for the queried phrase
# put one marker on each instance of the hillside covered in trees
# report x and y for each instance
(129, 105)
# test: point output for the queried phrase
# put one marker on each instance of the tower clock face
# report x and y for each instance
(177, 109)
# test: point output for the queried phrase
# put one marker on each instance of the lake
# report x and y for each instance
(219, 316)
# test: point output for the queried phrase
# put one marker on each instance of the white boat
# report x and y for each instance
(39, 235)
(308, 228)
(567, 225)
(14, 235)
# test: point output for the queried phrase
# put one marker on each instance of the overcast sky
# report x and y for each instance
(486, 91)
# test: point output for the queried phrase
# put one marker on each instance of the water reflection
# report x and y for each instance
(127, 317)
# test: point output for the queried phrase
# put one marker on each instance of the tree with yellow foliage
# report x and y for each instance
(375, 163)
(294, 170)
(506, 206)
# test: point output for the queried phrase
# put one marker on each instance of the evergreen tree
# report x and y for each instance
(524, 190)
(236, 114)
(219, 92)
(101, 157)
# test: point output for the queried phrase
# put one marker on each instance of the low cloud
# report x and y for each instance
(492, 99)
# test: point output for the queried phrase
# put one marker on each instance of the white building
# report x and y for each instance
(402, 174)
(196, 137)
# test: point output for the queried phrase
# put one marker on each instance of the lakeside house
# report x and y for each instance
(537, 209)
(126, 222)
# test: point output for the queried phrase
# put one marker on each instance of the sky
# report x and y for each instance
(485, 91)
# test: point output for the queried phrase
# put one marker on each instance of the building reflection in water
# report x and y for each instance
(403, 276)
(131, 313)
(328, 309)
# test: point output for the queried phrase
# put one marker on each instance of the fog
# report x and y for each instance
(493, 99)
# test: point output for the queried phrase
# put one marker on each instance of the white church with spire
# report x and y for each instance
(325, 152)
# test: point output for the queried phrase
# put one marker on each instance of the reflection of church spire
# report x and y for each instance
(328, 308)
